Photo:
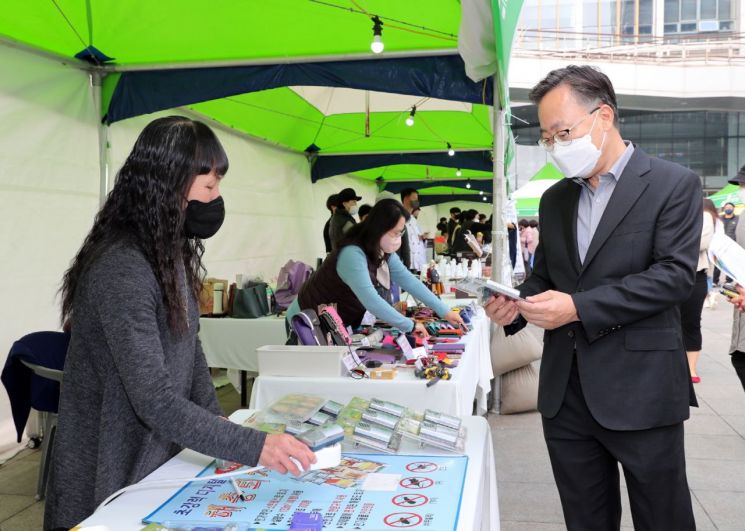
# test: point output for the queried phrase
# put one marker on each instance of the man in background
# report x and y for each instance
(452, 223)
(331, 206)
(343, 218)
(410, 201)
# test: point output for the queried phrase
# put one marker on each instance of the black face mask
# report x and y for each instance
(203, 220)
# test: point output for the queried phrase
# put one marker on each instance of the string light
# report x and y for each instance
(481, 192)
(377, 44)
(458, 173)
(410, 118)
(468, 184)
(484, 198)
(451, 151)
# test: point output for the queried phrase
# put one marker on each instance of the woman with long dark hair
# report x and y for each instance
(690, 310)
(136, 385)
(357, 276)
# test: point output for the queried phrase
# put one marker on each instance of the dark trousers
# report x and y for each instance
(585, 456)
(738, 362)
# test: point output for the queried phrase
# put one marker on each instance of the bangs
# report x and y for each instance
(209, 154)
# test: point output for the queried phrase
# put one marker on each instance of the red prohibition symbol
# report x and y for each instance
(421, 467)
(416, 483)
(410, 500)
(400, 520)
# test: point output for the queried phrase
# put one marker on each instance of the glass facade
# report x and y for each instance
(711, 144)
(571, 24)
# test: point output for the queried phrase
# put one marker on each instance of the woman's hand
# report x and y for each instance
(279, 448)
(454, 318)
(420, 331)
(739, 301)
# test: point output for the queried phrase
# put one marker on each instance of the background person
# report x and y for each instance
(617, 255)
(137, 388)
(364, 211)
(343, 218)
(331, 206)
(453, 222)
(418, 251)
(690, 310)
(357, 276)
(737, 347)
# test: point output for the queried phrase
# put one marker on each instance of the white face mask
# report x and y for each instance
(579, 158)
(353, 210)
(390, 244)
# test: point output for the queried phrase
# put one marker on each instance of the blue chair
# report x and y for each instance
(32, 377)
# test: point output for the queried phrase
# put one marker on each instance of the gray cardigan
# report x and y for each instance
(133, 394)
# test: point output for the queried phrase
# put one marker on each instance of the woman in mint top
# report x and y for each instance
(357, 276)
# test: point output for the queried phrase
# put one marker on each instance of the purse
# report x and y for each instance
(307, 328)
(251, 301)
(333, 327)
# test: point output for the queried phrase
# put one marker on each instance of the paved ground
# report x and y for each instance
(528, 500)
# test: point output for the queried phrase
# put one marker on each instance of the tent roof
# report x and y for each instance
(171, 31)
(728, 194)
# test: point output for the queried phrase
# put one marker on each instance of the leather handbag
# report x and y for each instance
(251, 301)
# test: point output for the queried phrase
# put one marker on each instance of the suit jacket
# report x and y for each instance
(639, 267)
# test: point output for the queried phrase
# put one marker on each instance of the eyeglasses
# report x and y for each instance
(563, 137)
(397, 233)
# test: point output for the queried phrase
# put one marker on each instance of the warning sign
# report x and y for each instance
(416, 483)
(421, 467)
(400, 520)
(410, 500)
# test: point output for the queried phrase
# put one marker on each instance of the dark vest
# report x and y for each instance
(326, 287)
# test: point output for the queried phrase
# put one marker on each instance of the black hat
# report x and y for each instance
(739, 178)
(348, 194)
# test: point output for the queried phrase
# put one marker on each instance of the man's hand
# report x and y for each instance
(501, 310)
(279, 447)
(739, 301)
(548, 310)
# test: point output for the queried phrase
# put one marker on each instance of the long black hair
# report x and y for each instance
(146, 207)
(383, 217)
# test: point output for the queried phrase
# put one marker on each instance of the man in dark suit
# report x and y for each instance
(617, 255)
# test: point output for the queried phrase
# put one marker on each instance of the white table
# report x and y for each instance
(232, 343)
(479, 509)
(470, 380)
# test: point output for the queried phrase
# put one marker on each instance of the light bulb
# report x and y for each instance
(481, 192)
(484, 198)
(468, 184)
(451, 151)
(458, 173)
(377, 45)
(410, 118)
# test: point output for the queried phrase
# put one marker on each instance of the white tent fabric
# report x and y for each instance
(49, 187)
(477, 40)
(533, 189)
(49, 179)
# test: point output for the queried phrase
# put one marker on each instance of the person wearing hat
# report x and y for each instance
(343, 219)
(737, 347)
(331, 206)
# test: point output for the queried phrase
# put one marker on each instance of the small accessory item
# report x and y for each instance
(307, 327)
(251, 301)
(333, 326)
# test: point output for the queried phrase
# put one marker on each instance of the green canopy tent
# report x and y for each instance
(126, 37)
(728, 194)
(529, 195)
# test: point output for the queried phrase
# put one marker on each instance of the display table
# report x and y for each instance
(470, 380)
(232, 343)
(479, 509)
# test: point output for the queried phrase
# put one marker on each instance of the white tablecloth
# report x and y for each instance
(232, 343)
(470, 380)
(479, 509)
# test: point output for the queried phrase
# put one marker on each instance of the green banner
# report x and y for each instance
(506, 14)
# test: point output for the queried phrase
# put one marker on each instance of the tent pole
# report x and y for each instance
(103, 138)
(499, 227)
